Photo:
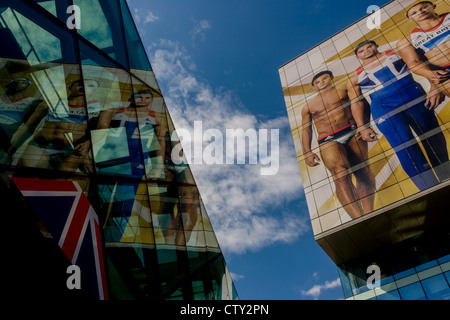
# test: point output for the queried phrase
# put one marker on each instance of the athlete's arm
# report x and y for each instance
(434, 97)
(161, 130)
(311, 158)
(415, 64)
(104, 119)
(105, 116)
(357, 107)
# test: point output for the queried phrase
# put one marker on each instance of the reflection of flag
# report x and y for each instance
(70, 218)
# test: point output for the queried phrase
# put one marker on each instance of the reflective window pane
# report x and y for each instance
(392, 295)
(136, 53)
(436, 288)
(412, 292)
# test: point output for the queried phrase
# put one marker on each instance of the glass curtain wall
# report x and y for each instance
(83, 105)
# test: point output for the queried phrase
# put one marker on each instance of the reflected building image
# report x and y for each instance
(94, 203)
(369, 110)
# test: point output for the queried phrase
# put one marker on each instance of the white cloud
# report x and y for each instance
(199, 29)
(150, 17)
(317, 289)
(236, 276)
(144, 16)
(239, 201)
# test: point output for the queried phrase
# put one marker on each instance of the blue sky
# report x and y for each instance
(216, 62)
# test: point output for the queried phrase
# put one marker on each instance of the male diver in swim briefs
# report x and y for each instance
(426, 50)
(339, 143)
(400, 108)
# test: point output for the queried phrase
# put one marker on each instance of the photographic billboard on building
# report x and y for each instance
(369, 110)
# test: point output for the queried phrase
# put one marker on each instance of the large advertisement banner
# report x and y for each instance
(369, 110)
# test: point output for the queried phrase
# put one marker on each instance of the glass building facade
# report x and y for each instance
(373, 153)
(415, 269)
(85, 134)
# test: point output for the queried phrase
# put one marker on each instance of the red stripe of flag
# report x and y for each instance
(29, 184)
(76, 225)
(100, 258)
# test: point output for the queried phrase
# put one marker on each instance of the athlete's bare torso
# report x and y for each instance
(330, 110)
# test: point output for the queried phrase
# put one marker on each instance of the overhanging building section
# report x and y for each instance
(387, 227)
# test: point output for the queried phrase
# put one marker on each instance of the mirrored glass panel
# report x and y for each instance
(101, 25)
(136, 52)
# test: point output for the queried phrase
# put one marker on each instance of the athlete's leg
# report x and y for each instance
(72, 162)
(426, 126)
(397, 131)
(334, 157)
(357, 153)
(35, 157)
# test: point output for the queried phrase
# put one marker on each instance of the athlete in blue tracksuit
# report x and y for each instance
(140, 133)
(398, 107)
